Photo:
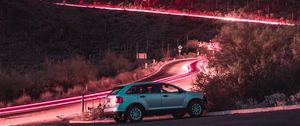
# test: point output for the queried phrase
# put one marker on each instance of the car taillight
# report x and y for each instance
(119, 99)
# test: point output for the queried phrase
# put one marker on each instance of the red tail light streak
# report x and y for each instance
(177, 13)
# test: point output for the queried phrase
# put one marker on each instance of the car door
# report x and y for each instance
(150, 95)
(172, 97)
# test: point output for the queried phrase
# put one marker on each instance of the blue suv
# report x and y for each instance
(134, 101)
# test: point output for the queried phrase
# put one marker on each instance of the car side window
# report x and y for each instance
(169, 89)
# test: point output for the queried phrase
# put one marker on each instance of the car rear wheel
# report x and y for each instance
(135, 113)
(195, 109)
(178, 115)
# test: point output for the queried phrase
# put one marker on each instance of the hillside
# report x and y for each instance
(32, 31)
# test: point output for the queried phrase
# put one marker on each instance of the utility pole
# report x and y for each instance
(162, 49)
(187, 37)
(137, 47)
(216, 4)
(147, 48)
(82, 106)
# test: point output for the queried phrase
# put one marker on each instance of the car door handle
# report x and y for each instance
(142, 96)
(165, 95)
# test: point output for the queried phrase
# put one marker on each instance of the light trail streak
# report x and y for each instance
(177, 13)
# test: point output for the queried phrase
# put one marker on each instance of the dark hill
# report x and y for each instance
(31, 31)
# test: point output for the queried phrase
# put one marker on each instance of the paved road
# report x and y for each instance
(278, 118)
(169, 70)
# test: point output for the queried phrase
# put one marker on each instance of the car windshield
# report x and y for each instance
(116, 90)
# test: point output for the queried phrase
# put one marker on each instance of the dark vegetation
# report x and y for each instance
(53, 51)
(255, 61)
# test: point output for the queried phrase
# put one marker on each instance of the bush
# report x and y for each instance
(76, 90)
(46, 96)
(278, 99)
(24, 99)
(12, 84)
(255, 62)
(97, 112)
(220, 96)
(68, 73)
(295, 99)
(58, 91)
(2, 105)
(124, 77)
(112, 64)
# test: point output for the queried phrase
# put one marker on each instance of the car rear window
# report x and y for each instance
(116, 90)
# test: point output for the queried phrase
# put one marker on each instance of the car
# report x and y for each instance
(136, 100)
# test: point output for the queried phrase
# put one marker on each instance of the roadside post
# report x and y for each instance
(82, 106)
(82, 102)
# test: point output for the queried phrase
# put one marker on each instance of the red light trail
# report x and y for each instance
(177, 13)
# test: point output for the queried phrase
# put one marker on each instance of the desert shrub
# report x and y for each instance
(249, 103)
(2, 104)
(220, 96)
(97, 112)
(101, 84)
(180, 57)
(107, 82)
(112, 64)
(277, 99)
(76, 90)
(295, 99)
(58, 90)
(46, 96)
(124, 77)
(190, 55)
(24, 99)
(255, 62)
(68, 73)
(13, 84)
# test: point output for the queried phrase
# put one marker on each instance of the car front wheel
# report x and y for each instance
(195, 109)
(135, 113)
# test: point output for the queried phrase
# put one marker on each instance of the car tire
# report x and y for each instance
(135, 113)
(195, 108)
(178, 115)
(120, 119)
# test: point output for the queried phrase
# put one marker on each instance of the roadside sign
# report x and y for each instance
(141, 56)
(180, 47)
